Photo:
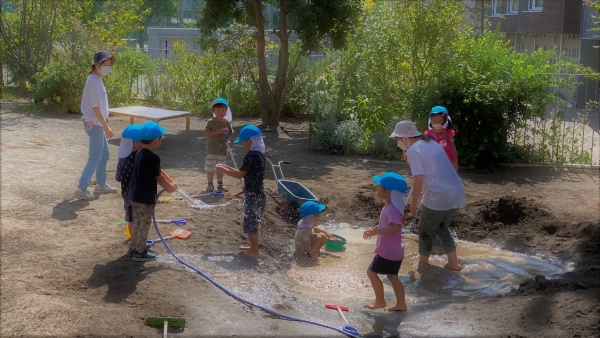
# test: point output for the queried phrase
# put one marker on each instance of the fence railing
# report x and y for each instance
(568, 131)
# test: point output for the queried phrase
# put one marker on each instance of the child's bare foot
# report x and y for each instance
(456, 267)
(401, 308)
(251, 253)
(375, 305)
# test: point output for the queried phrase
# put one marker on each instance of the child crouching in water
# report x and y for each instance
(309, 239)
(253, 173)
(390, 247)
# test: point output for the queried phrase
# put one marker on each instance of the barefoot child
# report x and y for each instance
(253, 173)
(309, 239)
(390, 248)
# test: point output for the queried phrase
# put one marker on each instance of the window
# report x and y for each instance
(512, 6)
(535, 5)
(496, 8)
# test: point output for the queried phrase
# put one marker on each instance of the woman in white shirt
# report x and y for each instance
(444, 191)
(94, 107)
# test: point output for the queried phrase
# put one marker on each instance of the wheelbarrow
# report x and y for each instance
(292, 193)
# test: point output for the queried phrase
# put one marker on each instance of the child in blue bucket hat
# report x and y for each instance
(130, 144)
(147, 173)
(439, 128)
(309, 239)
(389, 251)
(253, 173)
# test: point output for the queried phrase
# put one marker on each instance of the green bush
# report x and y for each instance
(335, 138)
(131, 67)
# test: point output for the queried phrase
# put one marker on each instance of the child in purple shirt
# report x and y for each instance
(389, 251)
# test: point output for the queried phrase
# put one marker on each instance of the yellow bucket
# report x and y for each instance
(127, 231)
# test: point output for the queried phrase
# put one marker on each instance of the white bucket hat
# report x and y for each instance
(405, 129)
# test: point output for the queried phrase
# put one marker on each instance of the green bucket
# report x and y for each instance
(336, 244)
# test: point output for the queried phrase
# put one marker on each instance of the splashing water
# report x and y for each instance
(199, 204)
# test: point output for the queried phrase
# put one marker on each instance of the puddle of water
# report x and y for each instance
(340, 277)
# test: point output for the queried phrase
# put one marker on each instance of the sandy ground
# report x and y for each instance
(64, 270)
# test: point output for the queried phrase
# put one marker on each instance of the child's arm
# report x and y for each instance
(392, 228)
(211, 133)
(167, 178)
(327, 234)
(168, 185)
(230, 171)
(455, 161)
(417, 186)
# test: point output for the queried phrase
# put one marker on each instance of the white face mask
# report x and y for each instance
(437, 126)
(105, 70)
(401, 145)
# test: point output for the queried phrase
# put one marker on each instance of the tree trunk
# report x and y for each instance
(141, 41)
(264, 89)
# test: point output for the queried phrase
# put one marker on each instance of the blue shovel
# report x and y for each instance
(181, 221)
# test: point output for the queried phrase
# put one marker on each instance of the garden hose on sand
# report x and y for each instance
(346, 330)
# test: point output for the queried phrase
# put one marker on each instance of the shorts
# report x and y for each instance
(211, 161)
(384, 266)
(316, 239)
(128, 211)
(254, 206)
(435, 224)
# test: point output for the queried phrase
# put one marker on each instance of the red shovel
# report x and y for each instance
(339, 309)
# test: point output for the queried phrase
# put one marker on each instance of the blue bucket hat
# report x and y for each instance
(247, 132)
(102, 56)
(151, 131)
(133, 132)
(311, 208)
(392, 181)
(219, 100)
(438, 110)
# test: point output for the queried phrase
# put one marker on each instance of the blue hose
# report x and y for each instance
(346, 330)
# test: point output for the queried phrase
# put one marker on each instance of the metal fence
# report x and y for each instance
(568, 131)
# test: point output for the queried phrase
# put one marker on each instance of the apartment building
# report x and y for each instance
(569, 26)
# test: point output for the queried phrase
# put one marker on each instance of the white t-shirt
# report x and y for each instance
(94, 95)
(444, 188)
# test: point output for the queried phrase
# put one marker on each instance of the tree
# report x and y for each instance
(312, 21)
(27, 32)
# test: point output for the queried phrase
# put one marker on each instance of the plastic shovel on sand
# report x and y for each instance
(347, 328)
(181, 221)
(175, 233)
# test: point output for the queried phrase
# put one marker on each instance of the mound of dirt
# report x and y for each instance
(511, 210)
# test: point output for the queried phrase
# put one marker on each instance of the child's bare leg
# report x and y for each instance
(210, 176)
(131, 234)
(252, 251)
(453, 261)
(423, 259)
(378, 288)
(399, 292)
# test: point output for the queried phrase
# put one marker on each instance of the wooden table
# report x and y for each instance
(153, 114)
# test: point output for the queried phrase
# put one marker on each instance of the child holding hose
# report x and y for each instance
(142, 190)
(253, 173)
(389, 251)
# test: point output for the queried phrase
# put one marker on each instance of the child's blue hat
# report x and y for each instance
(438, 110)
(247, 132)
(392, 181)
(133, 132)
(151, 131)
(311, 208)
(219, 100)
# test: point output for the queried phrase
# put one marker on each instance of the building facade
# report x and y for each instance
(570, 27)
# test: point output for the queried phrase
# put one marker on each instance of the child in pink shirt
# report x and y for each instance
(439, 128)
(389, 251)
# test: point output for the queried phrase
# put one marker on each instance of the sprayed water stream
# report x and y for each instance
(340, 277)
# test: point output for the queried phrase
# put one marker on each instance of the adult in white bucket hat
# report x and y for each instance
(444, 191)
